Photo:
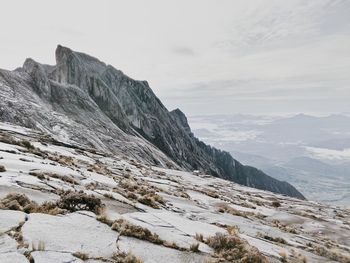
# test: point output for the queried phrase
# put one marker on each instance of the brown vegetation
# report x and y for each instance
(225, 208)
(234, 249)
(47, 176)
(81, 255)
(276, 204)
(194, 247)
(2, 169)
(122, 257)
(20, 202)
(273, 239)
(141, 192)
(127, 229)
(75, 201)
(69, 201)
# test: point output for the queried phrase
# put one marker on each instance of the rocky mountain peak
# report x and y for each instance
(62, 53)
(82, 100)
(181, 119)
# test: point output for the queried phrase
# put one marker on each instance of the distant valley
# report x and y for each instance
(312, 153)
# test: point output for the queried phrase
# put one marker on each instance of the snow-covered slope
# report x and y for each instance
(158, 215)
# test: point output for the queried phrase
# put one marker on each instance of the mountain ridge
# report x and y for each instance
(82, 99)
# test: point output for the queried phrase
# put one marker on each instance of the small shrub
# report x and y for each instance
(210, 193)
(122, 257)
(225, 208)
(2, 169)
(128, 229)
(232, 248)
(283, 255)
(276, 204)
(194, 247)
(69, 201)
(81, 255)
(149, 200)
(131, 195)
(47, 176)
(64, 178)
(336, 256)
(20, 202)
(108, 195)
(26, 144)
(104, 219)
(172, 245)
(273, 239)
(199, 237)
(75, 201)
(15, 201)
(182, 194)
(142, 192)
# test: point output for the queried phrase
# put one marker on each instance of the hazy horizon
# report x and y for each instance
(204, 57)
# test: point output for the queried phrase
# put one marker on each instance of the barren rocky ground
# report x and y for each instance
(63, 203)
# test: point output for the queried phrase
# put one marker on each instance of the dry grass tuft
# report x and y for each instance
(328, 253)
(122, 257)
(283, 255)
(234, 249)
(20, 202)
(99, 168)
(81, 255)
(63, 160)
(69, 201)
(152, 200)
(103, 218)
(225, 208)
(75, 201)
(199, 237)
(273, 239)
(210, 193)
(194, 247)
(181, 193)
(142, 192)
(276, 204)
(284, 227)
(47, 176)
(2, 169)
(128, 229)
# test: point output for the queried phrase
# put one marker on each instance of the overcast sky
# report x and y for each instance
(205, 57)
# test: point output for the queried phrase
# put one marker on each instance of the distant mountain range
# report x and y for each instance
(85, 101)
(312, 153)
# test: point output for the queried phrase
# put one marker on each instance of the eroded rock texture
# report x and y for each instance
(83, 100)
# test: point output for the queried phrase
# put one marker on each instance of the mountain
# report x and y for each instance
(83, 100)
(60, 203)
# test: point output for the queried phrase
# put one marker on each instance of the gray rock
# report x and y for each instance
(83, 100)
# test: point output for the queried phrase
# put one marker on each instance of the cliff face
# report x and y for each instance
(83, 100)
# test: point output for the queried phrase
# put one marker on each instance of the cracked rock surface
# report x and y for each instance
(157, 214)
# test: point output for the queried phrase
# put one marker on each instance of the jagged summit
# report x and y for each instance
(85, 101)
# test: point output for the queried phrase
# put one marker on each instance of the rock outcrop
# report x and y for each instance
(83, 100)
(60, 203)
